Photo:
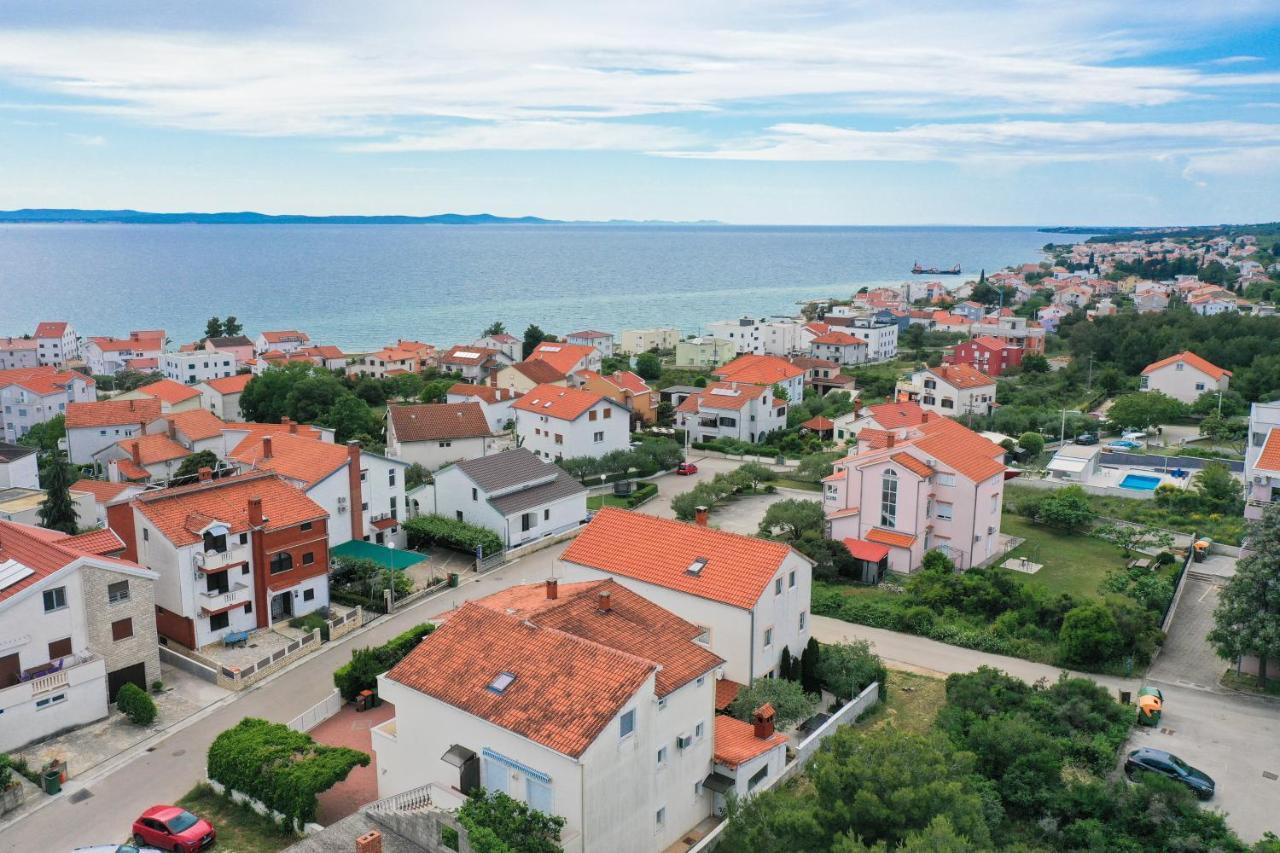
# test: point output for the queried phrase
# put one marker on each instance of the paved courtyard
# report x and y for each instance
(351, 729)
(1186, 658)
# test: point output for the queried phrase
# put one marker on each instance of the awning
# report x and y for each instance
(861, 549)
(388, 558)
(457, 755)
(719, 783)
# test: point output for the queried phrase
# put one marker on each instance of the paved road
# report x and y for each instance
(1233, 738)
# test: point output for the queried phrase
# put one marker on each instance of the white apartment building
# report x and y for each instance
(953, 390)
(18, 353)
(750, 336)
(603, 341)
(767, 371)
(881, 337)
(30, 396)
(91, 427)
(56, 344)
(1262, 460)
(1184, 377)
(198, 366)
(840, 347)
(705, 352)
(222, 396)
(555, 422)
(285, 341)
(736, 410)
(636, 341)
(496, 403)
(109, 356)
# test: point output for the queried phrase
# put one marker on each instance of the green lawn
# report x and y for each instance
(1073, 563)
(240, 829)
(913, 702)
(804, 485)
(597, 501)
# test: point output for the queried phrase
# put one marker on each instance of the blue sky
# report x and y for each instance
(1080, 112)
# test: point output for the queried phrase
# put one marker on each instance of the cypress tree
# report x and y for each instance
(809, 667)
(58, 511)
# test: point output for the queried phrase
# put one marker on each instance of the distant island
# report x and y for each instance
(1112, 234)
(141, 217)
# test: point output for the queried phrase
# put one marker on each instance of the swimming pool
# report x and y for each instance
(1139, 482)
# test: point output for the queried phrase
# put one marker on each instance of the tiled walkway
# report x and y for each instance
(351, 729)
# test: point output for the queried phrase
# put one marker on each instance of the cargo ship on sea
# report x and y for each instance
(916, 269)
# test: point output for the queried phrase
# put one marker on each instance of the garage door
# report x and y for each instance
(136, 674)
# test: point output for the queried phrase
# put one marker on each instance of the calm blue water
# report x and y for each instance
(1140, 482)
(360, 287)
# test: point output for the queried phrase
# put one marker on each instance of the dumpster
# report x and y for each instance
(364, 700)
(1201, 549)
(1150, 706)
(453, 579)
(51, 781)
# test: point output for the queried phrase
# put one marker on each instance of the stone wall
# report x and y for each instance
(140, 606)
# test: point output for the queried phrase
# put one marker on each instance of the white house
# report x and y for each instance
(18, 469)
(285, 341)
(602, 341)
(198, 366)
(636, 341)
(474, 364)
(30, 396)
(75, 626)
(749, 336)
(555, 422)
(951, 389)
(102, 494)
(513, 493)
(173, 396)
(436, 434)
(142, 459)
(1076, 463)
(496, 403)
(840, 347)
(1262, 460)
(750, 595)
(56, 344)
(567, 358)
(509, 345)
(764, 370)
(222, 396)
(106, 356)
(91, 427)
(736, 410)
(1184, 377)
(881, 337)
(18, 353)
(588, 702)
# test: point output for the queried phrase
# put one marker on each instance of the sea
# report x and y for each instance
(363, 286)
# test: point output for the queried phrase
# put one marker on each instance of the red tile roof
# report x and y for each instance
(44, 552)
(962, 375)
(298, 457)
(438, 421)
(758, 370)
(153, 449)
(895, 415)
(563, 357)
(993, 343)
(42, 380)
(1190, 358)
(112, 413)
(912, 464)
(541, 372)
(285, 336)
(726, 691)
(875, 438)
(724, 395)
(197, 424)
(961, 448)
(556, 402)
(182, 513)
(660, 551)
(629, 381)
(102, 491)
(565, 689)
(459, 355)
(736, 742)
(383, 523)
(590, 333)
(50, 329)
(102, 542)
(841, 339)
(484, 392)
(1269, 458)
(131, 472)
(230, 384)
(861, 549)
(818, 423)
(169, 391)
(891, 537)
(107, 344)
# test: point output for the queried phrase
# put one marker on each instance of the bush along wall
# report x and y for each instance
(451, 533)
(362, 671)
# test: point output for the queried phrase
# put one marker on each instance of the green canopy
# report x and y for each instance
(391, 558)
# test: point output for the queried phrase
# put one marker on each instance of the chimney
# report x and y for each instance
(132, 405)
(205, 473)
(266, 447)
(355, 489)
(173, 430)
(136, 452)
(293, 428)
(370, 842)
(762, 718)
(553, 589)
(255, 512)
(890, 440)
(605, 600)
(700, 516)
(924, 417)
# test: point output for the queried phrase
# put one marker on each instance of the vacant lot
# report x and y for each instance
(1073, 562)
(240, 829)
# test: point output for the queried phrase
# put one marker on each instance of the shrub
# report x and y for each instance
(451, 533)
(496, 823)
(1089, 635)
(6, 772)
(790, 703)
(136, 704)
(362, 671)
(846, 669)
(281, 768)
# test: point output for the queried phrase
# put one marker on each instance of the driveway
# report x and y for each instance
(1187, 659)
(741, 515)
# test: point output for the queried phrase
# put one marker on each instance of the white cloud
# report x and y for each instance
(87, 139)
(557, 135)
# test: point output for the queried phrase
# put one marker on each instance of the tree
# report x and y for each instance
(1233, 404)
(815, 466)
(496, 823)
(58, 511)
(351, 418)
(790, 703)
(753, 475)
(1218, 488)
(134, 703)
(1111, 381)
(1129, 538)
(1247, 619)
(192, 464)
(780, 393)
(788, 667)
(1143, 409)
(312, 395)
(846, 669)
(497, 327)
(213, 328)
(415, 475)
(789, 519)
(45, 436)
(666, 413)
(532, 337)
(810, 660)
(1032, 442)
(1066, 509)
(231, 327)
(1089, 635)
(370, 390)
(436, 390)
(648, 366)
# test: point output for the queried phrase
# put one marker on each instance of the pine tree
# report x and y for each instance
(809, 667)
(232, 327)
(58, 511)
(213, 328)
(786, 667)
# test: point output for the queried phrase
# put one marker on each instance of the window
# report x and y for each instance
(118, 591)
(528, 521)
(475, 495)
(591, 415)
(60, 649)
(945, 479)
(218, 621)
(308, 595)
(391, 477)
(1199, 386)
(662, 817)
(121, 629)
(777, 586)
(944, 511)
(699, 730)
(459, 514)
(560, 438)
(50, 700)
(758, 777)
(55, 599)
(146, 535)
(445, 444)
(538, 795)
(597, 438)
(627, 724)
(889, 498)
(768, 637)
(308, 558)
(364, 475)
(802, 616)
(306, 525)
(791, 579)
(281, 562)
(244, 538)
(501, 682)
(662, 756)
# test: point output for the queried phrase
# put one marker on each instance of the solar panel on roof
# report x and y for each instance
(11, 572)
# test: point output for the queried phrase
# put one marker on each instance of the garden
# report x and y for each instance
(642, 493)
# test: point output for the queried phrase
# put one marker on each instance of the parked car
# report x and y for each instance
(117, 848)
(173, 828)
(1139, 437)
(1148, 760)
(685, 468)
(1122, 444)
(1087, 438)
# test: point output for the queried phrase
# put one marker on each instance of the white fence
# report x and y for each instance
(317, 713)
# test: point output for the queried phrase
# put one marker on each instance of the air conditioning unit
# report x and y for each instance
(684, 741)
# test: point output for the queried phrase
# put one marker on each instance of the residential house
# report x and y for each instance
(241, 346)
(198, 365)
(513, 493)
(749, 336)
(474, 364)
(106, 356)
(945, 321)
(75, 626)
(627, 388)
(18, 354)
(284, 341)
(101, 495)
(991, 356)
(385, 362)
(1076, 463)
(567, 358)
(1213, 302)
(970, 310)
(840, 347)
(555, 422)
(823, 375)
(495, 402)
(523, 376)
(196, 430)
(142, 459)
(327, 356)
(766, 371)
(705, 352)
(603, 341)
(954, 390)
(1262, 460)
(885, 417)
(677, 394)
(30, 396)
(881, 337)
(18, 468)
(510, 346)
(590, 703)
(233, 554)
(1051, 315)
(636, 341)
(91, 427)
(436, 434)
(737, 410)
(749, 595)
(940, 487)
(1011, 329)
(222, 396)
(56, 344)
(173, 396)
(1184, 377)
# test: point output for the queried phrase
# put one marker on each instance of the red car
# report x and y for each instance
(173, 828)
(685, 468)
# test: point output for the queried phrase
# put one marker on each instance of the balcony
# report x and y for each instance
(66, 672)
(217, 602)
(219, 561)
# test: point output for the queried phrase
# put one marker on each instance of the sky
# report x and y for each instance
(1043, 112)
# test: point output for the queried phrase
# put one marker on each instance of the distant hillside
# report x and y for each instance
(251, 218)
(1263, 231)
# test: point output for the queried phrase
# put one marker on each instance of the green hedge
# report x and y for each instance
(451, 533)
(281, 768)
(135, 704)
(362, 671)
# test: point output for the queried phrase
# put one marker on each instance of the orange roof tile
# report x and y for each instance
(840, 339)
(758, 370)
(153, 448)
(912, 464)
(131, 472)
(182, 513)
(661, 551)
(541, 372)
(298, 457)
(1190, 358)
(50, 329)
(102, 542)
(961, 448)
(469, 356)
(169, 391)
(847, 512)
(284, 336)
(819, 424)
(875, 438)
(962, 375)
(563, 357)
(1269, 459)
(102, 491)
(726, 691)
(891, 537)
(564, 689)
(436, 421)
(895, 415)
(42, 551)
(483, 392)
(197, 424)
(42, 380)
(230, 384)
(860, 549)
(629, 381)
(554, 401)
(736, 742)
(725, 395)
(112, 413)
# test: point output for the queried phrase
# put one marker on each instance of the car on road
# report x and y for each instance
(1087, 438)
(117, 848)
(173, 828)
(1123, 444)
(686, 468)
(1148, 760)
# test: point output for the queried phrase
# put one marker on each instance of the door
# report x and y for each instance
(135, 674)
(9, 670)
(281, 606)
(469, 775)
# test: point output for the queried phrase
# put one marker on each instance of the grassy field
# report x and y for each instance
(1073, 563)
(784, 483)
(240, 829)
(913, 702)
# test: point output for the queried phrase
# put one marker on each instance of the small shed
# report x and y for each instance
(1075, 463)
(872, 560)
(823, 427)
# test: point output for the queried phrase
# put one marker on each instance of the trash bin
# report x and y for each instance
(1150, 706)
(52, 781)
(453, 579)
(364, 700)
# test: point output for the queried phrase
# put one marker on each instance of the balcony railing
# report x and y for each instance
(212, 561)
(1260, 503)
(57, 674)
(235, 596)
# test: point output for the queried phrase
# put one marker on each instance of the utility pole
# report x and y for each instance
(1088, 385)
(1219, 404)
